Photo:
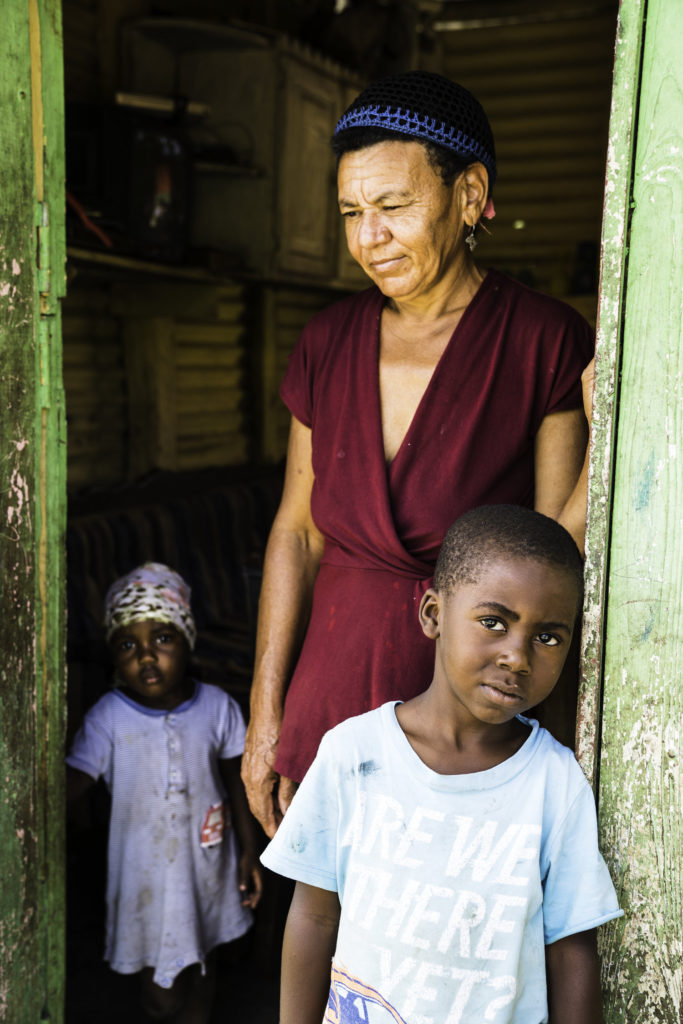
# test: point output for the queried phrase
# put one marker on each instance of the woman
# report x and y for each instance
(436, 390)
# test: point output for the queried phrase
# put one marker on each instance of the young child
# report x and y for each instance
(445, 850)
(183, 871)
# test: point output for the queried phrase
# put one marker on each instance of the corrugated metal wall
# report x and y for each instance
(212, 387)
(187, 406)
(285, 312)
(545, 86)
(224, 351)
(94, 380)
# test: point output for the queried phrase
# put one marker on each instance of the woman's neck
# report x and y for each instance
(447, 300)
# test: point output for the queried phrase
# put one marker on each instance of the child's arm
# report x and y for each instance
(250, 872)
(307, 950)
(77, 784)
(573, 970)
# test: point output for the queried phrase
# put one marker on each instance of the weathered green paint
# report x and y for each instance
(641, 744)
(32, 483)
(614, 252)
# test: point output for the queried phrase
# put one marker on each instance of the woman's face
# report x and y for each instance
(403, 225)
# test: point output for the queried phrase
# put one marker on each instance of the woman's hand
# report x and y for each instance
(285, 794)
(268, 793)
(258, 774)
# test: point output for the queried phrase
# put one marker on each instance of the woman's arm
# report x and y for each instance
(573, 971)
(307, 951)
(291, 564)
(561, 464)
(250, 873)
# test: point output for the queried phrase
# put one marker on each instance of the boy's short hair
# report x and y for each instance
(485, 533)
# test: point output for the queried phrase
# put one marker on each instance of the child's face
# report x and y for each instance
(151, 663)
(502, 641)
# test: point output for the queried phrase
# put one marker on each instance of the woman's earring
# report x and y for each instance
(470, 240)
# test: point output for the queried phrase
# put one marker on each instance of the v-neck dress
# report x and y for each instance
(515, 357)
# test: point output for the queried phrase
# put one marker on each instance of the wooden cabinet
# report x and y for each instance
(193, 355)
(265, 176)
(305, 216)
(348, 271)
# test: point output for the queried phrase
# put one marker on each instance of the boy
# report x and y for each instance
(445, 849)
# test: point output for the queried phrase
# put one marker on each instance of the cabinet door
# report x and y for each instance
(305, 225)
(348, 271)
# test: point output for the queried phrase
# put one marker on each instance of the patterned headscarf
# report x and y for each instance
(152, 591)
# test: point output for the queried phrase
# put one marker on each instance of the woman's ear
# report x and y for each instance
(476, 185)
(430, 607)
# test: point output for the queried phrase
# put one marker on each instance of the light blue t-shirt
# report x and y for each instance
(450, 885)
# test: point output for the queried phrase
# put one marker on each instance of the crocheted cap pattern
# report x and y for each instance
(426, 106)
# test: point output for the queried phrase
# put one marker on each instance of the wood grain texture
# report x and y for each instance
(608, 355)
(32, 509)
(640, 779)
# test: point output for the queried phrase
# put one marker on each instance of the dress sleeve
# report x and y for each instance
(578, 893)
(233, 729)
(571, 351)
(92, 748)
(305, 845)
(296, 389)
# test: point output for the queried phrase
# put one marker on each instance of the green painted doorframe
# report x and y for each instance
(630, 737)
(32, 485)
(634, 619)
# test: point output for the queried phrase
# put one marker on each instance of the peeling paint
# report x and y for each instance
(31, 688)
(640, 770)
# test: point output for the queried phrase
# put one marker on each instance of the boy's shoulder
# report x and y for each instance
(557, 778)
(553, 748)
(355, 743)
(360, 727)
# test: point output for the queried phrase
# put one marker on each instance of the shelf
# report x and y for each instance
(93, 261)
(93, 258)
(229, 170)
(183, 35)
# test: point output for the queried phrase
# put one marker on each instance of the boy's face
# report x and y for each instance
(151, 663)
(502, 641)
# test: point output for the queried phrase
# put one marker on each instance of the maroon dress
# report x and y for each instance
(515, 357)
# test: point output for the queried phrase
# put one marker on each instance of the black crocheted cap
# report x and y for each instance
(426, 106)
